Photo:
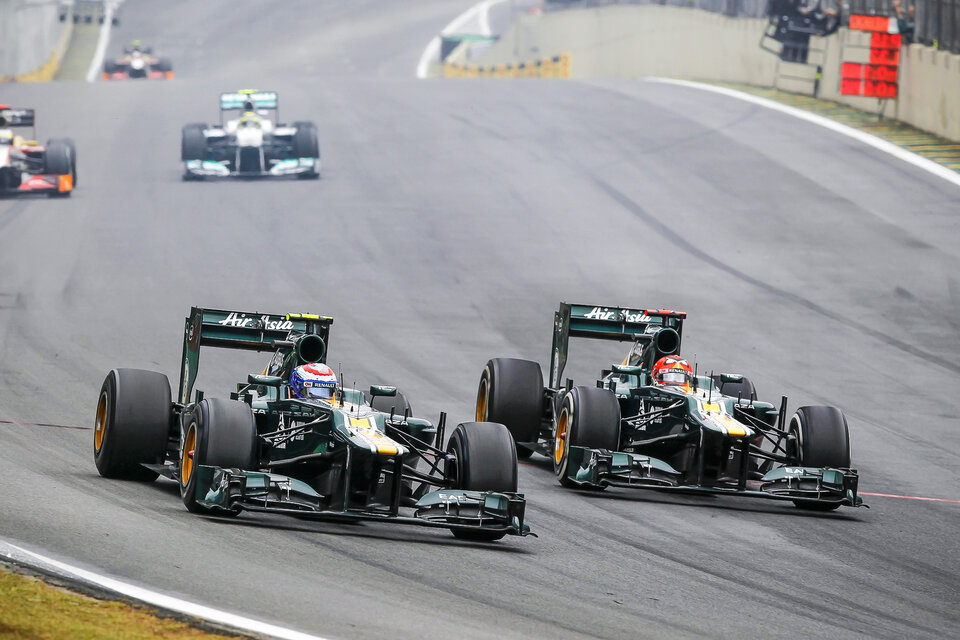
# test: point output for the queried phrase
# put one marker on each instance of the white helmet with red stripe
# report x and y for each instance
(313, 381)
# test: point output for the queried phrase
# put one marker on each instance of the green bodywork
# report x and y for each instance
(693, 439)
(339, 457)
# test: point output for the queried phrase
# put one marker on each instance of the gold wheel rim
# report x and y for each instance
(100, 428)
(482, 401)
(561, 439)
(189, 453)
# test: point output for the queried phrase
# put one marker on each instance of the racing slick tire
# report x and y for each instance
(484, 458)
(133, 420)
(821, 440)
(72, 146)
(588, 417)
(306, 144)
(110, 67)
(397, 403)
(219, 433)
(193, 144)
(164, 65)
(511, 393)
(57, 160)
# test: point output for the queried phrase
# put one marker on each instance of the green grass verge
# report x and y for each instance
(928, 145)
(31, 609)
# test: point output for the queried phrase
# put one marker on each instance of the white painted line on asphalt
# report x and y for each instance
(102, 43)
(877, 143)
(481, 11)
(142, 594)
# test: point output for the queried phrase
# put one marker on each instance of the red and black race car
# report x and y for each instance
(138, 62)
(28, 167)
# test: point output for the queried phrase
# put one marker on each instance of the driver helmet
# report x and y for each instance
(313, 381)
(6, 136)
(672, 370)
(135, 46)
(250, 119)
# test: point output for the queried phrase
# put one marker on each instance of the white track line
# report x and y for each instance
(481, 9)
(97, 61)
(877, 143)
(142, 594)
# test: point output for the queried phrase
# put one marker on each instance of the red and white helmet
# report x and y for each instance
(672, 370)
(315, 380)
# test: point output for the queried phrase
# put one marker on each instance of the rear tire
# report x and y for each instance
(588, 417)
(822, 440)
(485, 459)
(134, 415)
(511, 393)
(219, 433)
(193, 144)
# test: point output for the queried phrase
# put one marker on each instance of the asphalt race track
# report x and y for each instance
(451, 219)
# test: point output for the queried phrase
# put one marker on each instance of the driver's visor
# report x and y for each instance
(674, 376)
(321, 390)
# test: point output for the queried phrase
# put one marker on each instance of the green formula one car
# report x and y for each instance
(652, 422)
(274, 446)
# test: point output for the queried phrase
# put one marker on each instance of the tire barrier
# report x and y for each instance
(553, 67)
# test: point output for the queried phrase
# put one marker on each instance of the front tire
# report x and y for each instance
(511, 393)
(219, 433)
(132, 425)
(193, 144)
(588, 417)
(484, 459)
(821, 439)
(306, 144)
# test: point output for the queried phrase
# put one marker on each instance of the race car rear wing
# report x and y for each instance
(244, 330)
(661, 328)
(10, 117)
(248, 97)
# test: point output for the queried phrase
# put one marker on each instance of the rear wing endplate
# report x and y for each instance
(17, 117)
(249, 331)
(605, 323)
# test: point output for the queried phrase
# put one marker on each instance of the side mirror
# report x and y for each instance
(267, 381)
(629, 370)
(731, 377)
(382, 390)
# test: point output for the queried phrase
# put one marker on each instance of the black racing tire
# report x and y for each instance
(219, 433)
(484, 459)
(56, 157)
(164, 65)
(72, 146)
(193, 144)
(132, 425)
(109, 67)
(822, 439)
(743, 389)
(511, 393)
(397, 403)
(588, 417)
(306, 143)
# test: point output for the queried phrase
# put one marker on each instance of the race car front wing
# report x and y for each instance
(233, 489)
(213, 169)
(597, 468)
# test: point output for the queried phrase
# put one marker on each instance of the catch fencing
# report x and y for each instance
(935, 23)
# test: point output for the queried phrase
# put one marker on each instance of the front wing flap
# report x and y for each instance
(597, 468)
(287, 167)
(232, 489)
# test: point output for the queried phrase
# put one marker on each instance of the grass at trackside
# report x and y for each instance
(928, 145)
(76, 60)
(34, 610)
